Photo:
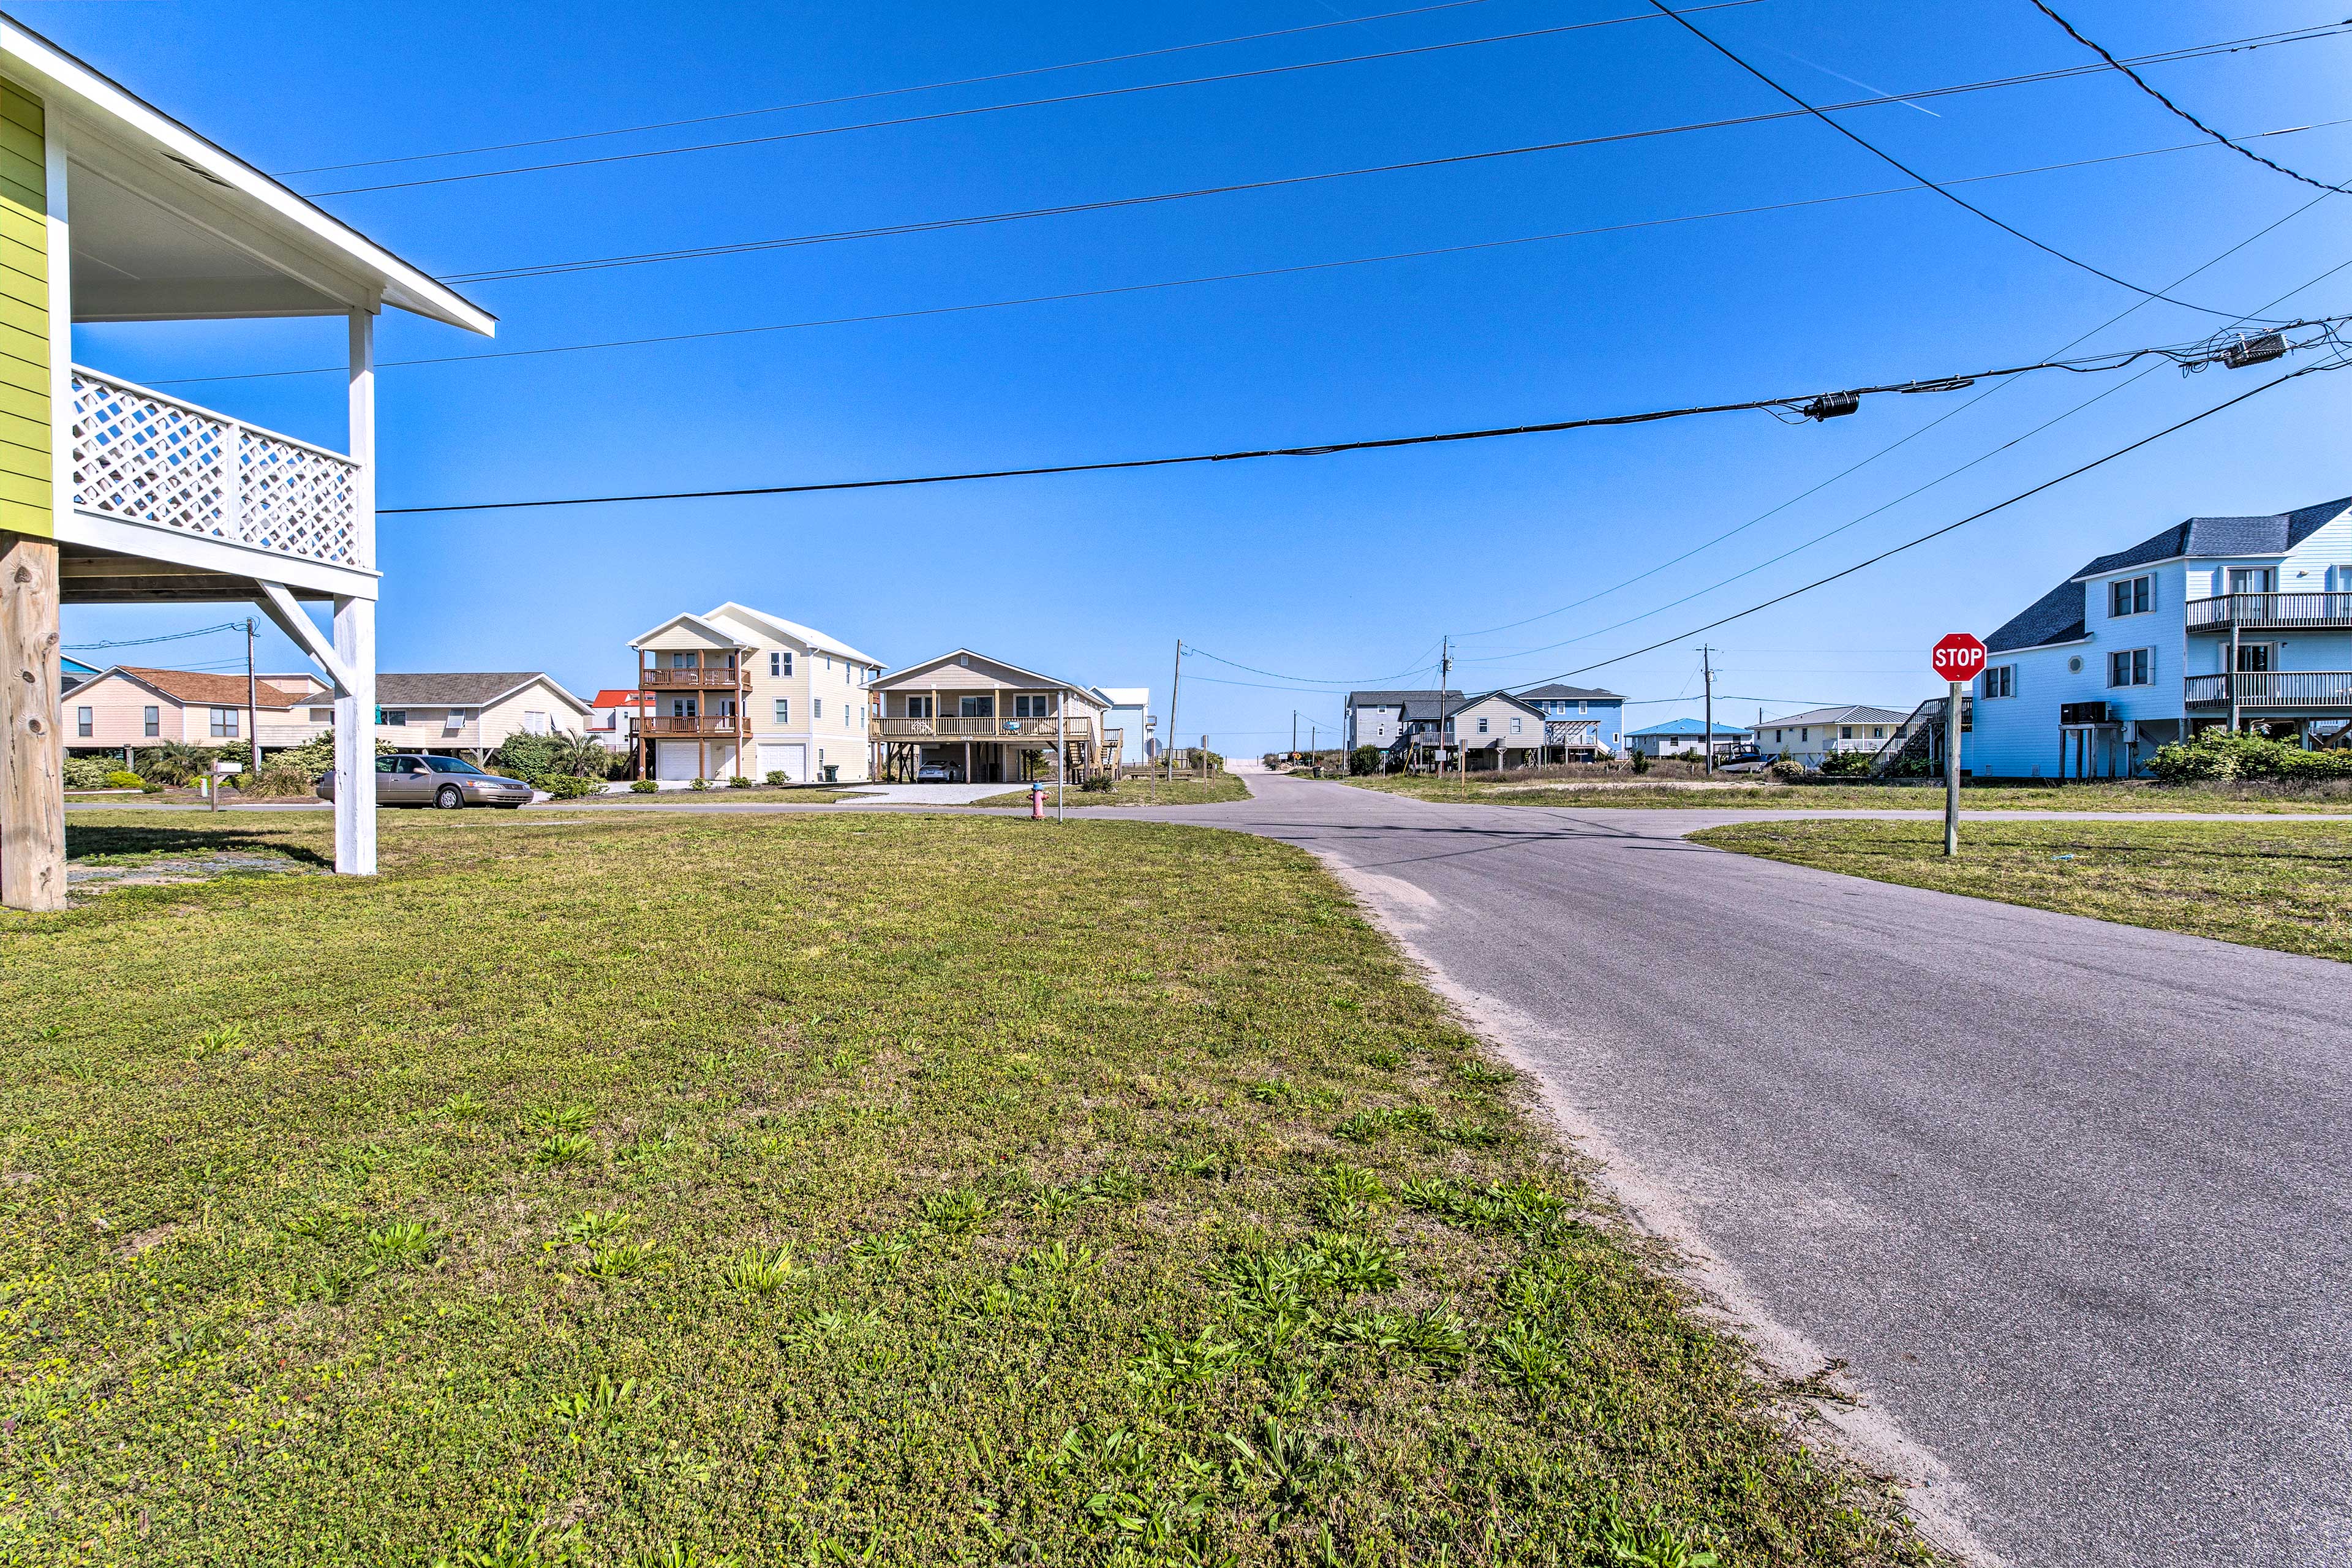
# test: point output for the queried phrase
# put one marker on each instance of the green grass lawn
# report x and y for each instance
(1138, 792)
(2095, 795)
(789, 795)
(2286, 885)
(669, 1190)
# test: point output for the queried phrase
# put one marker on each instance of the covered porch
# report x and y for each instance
(113, 492)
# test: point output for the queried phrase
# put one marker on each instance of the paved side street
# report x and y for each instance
(2066, 1197)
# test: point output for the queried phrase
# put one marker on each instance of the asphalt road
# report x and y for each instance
(2071, 1198)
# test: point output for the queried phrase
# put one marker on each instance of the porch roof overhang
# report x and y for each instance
(167, 225)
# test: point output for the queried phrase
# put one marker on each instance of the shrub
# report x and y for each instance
(739, 782)
(1787, 770)
(278, 779)
(700, 783)
(2213, 755)
(85, 773)
(643, 786)
(1364, 760)
(1847, 764)
(175, 762)
(778, 777)
(1097, 784)
(568, 786)
(1641, 761)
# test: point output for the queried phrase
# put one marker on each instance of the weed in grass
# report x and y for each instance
(621, 1260)
(1292, 1468)
(830, 1329)
(762, 1271)
(607, 1407)
(574, 1118)
(1519, 1207)
(564, 1149)
(1373, 1123)
(1168, 1362)
(1275, 1090)
(1055, 1202)
(334, 1285)
(954, 1212)
(1467, 1134)
(1351, 1265)
(1045, 1265)
(1523, 1356)
(1209, 1164)
(593, 1225)
(403, 1244)
(1437, 1336)
(670, 1554)
(218, 1041)
(538, 1546)
(1472, 1071)
(1385, 1060)
(316, 1225)
(1649, 1543)
(462, 1105)
(886, 1249)
(646, 1147)
(358, 1160)
(1346, 1197)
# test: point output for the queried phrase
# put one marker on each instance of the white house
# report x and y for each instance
(737, 692)
(1129, 714)
(472, 710)
(116, 493)
(1810, 736)
(2244, 622)
(1686, 738)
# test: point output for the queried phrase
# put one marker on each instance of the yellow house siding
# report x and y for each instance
(27, 419)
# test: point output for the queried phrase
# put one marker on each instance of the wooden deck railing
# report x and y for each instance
(957, 728)
(727, 679)
(689, 725)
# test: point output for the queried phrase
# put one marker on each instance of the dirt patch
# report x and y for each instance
(89, 881)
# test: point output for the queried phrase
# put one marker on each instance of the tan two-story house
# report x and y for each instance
(982, 721)
(736, 692)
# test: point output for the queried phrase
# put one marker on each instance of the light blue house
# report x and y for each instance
(2242, 621)
(1580, 718)
(1687, 738)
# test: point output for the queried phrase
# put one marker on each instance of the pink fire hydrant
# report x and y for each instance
(1037, 801)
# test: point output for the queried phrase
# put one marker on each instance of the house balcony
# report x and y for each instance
(691, 724)
(955, 729)
(2299, 691)
(150, 469)
(725, 680)
(2270, 611)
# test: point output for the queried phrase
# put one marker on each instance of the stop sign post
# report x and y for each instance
(1958, 658)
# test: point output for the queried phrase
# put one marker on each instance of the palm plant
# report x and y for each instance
(583, 755)
(175, 761)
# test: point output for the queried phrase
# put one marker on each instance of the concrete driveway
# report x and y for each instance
(2071, 1199)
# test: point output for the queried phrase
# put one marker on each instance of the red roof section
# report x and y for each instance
(617, 697)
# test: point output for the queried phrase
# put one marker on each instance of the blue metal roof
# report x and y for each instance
(1694, 727)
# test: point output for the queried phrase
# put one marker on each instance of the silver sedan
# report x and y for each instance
(419, 778)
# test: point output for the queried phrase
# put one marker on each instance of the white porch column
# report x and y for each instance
(355, 633)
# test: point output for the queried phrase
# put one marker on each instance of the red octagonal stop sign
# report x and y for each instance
(1959, 656)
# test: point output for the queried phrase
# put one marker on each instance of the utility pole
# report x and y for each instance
(1444, 674)
(252, 712)
(1707, 663)
(1175, 683)
(1062, 746)
(1294, 731)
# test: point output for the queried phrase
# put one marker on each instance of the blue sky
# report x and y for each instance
(1344, 569)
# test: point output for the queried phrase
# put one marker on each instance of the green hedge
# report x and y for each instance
(2220, 754)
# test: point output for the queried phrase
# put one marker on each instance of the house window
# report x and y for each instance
(1514, 726)
(1845, 732)
(784, 709)
(980, 706)
(2131, 595)
(1032, 707)
(2130, 667)
(224, 725)
(386, 716)
(318, 716)
(2254, 659)
(2001, 680)
(1878, 731)
(84, 723)
(775, 663)
(151, 720)
(816, 708)
(534, 722)
(1482, 726)
(683, 708)
(2251, 578)
(1583, 707)
(918, 706)
(681, 661)
(1804, 736)
(1778, 735)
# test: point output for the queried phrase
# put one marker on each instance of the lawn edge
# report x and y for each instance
(1846, 1431)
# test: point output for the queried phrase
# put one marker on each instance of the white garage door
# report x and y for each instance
(675, 759)
(793, 760)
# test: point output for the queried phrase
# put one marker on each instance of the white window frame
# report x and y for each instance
(85, 722)
(816, 710)
(1999, 681)
(2137, 595)
(1515, 725)
(784, 709)
(151, 722)
(2138, 667)
(223, 724)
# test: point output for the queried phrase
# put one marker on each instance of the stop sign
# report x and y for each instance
(1959, 656)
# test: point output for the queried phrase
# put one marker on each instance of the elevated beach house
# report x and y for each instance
(989, 721)
(737, 692)
(2244, 622)
(114, 493)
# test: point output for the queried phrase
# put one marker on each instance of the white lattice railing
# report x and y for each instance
(148, 457)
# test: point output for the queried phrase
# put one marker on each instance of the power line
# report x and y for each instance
(1902, 441)
(1820, 405)
(2142, 84)
(881, 92)
(166, 636)
(1416, 667)
(1884, 156)
(933, 226)
(782, 136)
(1950, 527)
(1113, 291)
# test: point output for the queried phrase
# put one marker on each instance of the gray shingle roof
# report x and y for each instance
(458, 689)
(2059, 616)
(1856, 714)
(1555, 693)
(1391, 698)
